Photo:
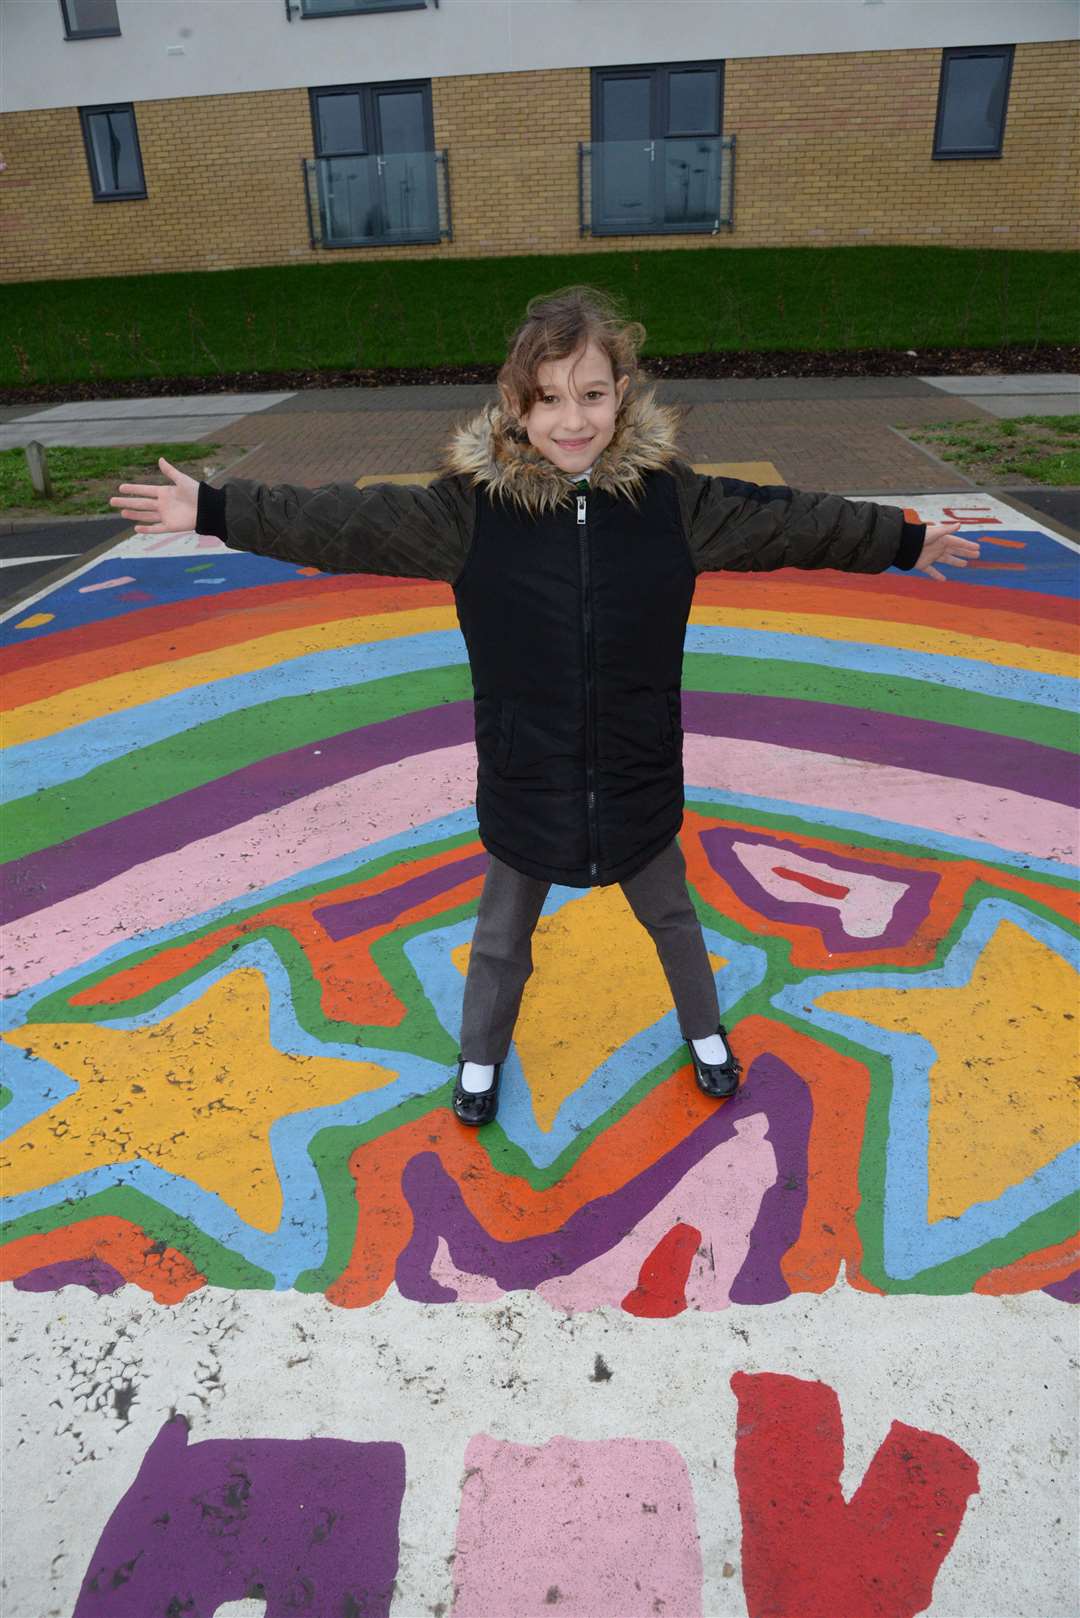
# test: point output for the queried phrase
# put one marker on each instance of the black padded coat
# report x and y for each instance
(573, 606)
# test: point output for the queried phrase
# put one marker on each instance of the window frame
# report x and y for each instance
(368, 89)
(360, 8)
(85, 114)
(952, 53)
(88, 33)
(659, 74)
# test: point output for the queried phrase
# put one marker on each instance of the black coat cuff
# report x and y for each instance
(912, 538)
(210, 515)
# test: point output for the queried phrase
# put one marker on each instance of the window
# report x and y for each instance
(89, 19)
(657, 148)
(345, 8)
(375, 163)
(973, 94)
(112, 150)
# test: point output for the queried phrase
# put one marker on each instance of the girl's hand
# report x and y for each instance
(943, 544)
(161, 508)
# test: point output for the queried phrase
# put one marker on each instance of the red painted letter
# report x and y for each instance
(809, 1554)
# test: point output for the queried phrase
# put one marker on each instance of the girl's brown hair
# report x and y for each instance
(558, 324)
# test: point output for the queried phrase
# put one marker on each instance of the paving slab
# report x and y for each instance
(274, 1322)
(1031, 404)
(974, 386)
(188, 404)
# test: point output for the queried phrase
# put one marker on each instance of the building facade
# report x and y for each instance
(147, 136)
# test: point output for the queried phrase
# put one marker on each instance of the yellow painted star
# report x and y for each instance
(196, 1094)
(597, 982)
(1002, 1089)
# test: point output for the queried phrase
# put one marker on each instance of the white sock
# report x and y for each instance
(476, 1078)
(712, 1051)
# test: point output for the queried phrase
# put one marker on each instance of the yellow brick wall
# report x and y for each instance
(837, 149)
(831, 149)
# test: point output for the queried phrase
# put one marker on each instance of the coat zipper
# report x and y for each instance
(590, 782)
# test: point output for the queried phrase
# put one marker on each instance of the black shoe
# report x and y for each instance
(719, 1079)
(476, 1107)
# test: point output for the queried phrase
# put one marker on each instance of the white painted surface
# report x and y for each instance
(992, 1374)
(171, 48)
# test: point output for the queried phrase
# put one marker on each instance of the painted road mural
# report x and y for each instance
(310, 1342)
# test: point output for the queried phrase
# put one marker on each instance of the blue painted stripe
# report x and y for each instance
(50, 760)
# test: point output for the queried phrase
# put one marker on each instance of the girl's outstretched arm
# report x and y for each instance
(408, 530)
(747, 527)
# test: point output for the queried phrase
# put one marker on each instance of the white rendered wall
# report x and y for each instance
(229, 46)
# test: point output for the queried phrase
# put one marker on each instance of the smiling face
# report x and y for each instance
(573, 418)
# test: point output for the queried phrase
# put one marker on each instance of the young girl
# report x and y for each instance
(572, 534)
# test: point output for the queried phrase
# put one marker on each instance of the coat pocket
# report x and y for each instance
(505, 738)
(669, 713)
(494, 724)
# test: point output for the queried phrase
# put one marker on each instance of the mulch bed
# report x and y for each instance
(854, 362)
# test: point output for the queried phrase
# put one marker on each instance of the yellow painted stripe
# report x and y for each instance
(749, 471)
(886, 632)
(144, 685)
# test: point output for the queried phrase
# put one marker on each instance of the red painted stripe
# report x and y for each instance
(816, 884)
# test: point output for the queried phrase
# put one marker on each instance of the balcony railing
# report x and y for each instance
(642, 187)
(378, 201)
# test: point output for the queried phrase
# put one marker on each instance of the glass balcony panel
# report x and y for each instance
(682, 183)
(365, 200)
(691, 180)
(624, 183)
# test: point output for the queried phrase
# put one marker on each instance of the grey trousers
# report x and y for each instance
(501, 959)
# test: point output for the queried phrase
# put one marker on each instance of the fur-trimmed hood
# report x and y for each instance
(489, 452)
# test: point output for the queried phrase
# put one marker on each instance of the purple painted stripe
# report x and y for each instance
(909, 911)
(885, 738)
(1067, 1290)
(95, 1273)
(439, 1209)
(354, 916)
(83, 862)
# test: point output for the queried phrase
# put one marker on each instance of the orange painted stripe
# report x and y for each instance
(1034, 1271)
(199, 609)
(509, 1208)
(808, 949)
(354, 989)
(167, 1275)
(170, 645)
(955, 614)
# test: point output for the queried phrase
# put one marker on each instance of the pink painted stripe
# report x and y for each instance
(106, 584)
(984, 814)
(386, 801)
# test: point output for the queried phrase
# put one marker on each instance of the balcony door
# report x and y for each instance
(656, 147)
(375, 160)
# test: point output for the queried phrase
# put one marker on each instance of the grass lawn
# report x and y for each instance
(412, 313)
(84, 479)
(1044, 449)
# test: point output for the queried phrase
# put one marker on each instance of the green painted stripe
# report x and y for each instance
(221, 1266)
(883, 693)
(192, 758)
